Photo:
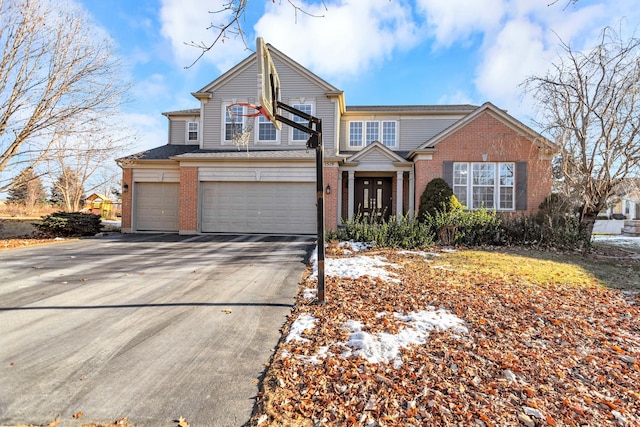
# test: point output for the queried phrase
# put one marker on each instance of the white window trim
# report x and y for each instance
(186, 137)
(223, 136)
(291, 116)
(395, 136)
(496, 185)
(256, 133)
(364, 133)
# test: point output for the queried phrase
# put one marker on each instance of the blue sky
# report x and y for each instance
(378, 52)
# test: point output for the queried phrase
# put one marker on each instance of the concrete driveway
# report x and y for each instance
(151, 327)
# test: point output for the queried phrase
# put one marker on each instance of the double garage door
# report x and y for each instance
(258, 207)
(231, 207)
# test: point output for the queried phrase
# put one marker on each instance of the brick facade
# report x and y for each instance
(188, 202)
(330, 176)
(127, 190)
(488, 135)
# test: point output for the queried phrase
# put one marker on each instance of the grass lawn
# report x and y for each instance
(550, 339)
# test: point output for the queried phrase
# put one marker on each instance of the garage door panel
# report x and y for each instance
(258, 207)
(156, 206)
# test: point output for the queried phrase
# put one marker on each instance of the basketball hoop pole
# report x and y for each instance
(314, 130)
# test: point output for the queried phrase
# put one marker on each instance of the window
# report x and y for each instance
(238, 121)
(506, 184)
(389, 134)
(373, 129)
(266, 130)
(362, 134)
(192, 131)
(460, 182)
(355, 134)
(485, 185)
(298, 135)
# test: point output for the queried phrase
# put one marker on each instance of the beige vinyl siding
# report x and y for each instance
(177, 128)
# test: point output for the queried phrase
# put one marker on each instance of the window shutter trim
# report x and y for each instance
(447, 173)
(521, 186)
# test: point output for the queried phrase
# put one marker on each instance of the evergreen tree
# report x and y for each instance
(27, 190)
(436, 197)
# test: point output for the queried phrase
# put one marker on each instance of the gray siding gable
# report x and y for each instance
(240, 85)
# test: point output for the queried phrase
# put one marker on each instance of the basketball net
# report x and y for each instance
(240, 127)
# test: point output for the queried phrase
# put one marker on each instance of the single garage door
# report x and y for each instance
(156, 206)
(259, 207)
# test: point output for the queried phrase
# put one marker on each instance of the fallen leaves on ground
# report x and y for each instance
(123, 422)
(534, 354)
(20, 243)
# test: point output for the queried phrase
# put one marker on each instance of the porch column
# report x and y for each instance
(412, 196)
(351, 195)
(340, 190)
(399, 198)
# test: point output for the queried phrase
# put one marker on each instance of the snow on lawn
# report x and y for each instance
(381, 347)
(354, 267)
(617, 240)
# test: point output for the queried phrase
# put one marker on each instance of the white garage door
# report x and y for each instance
(259, 207)
(156, 206)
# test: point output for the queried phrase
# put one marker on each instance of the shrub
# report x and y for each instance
(70, 224)
(435, 198)
(469, 228)
(405, 233)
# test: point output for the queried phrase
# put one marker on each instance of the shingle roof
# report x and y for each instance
(242, 153)
(166, 152)
(163, 152)
(189, 112)
(462, 108)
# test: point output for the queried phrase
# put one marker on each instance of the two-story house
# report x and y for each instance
(377, 161)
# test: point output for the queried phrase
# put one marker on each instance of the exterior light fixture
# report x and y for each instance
(125, 188)
(328, 189)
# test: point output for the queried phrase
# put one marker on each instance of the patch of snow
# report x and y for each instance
(354, 267)
(386, 348)
(618, 240)
(304, 322)
(309, 293)
(355, 246)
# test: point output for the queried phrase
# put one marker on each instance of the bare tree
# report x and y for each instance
(55, 69)
(83, 156)
(232, 16)
(590, 104)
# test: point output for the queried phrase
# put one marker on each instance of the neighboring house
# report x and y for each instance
(625, 204)
(99, 204)
(378, 160)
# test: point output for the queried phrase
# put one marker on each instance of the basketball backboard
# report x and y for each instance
(268, 83)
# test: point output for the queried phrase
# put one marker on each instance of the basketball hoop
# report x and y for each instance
(241, 128)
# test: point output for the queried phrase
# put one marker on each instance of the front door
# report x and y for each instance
(373, 197)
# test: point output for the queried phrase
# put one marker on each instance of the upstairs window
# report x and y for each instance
(193, 131)
(267, 132)
(364, 133)
(238, 121)
(355, 134)
(298, 135)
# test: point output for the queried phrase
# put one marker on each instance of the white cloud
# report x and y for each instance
(458, 97)
(451, 21)
(187, 22)
(351, 36)
(150, 131)
(516, 52)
